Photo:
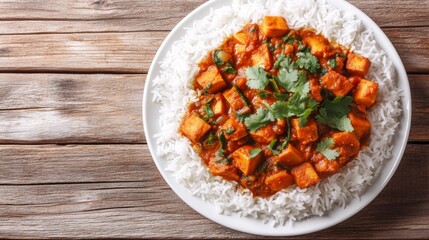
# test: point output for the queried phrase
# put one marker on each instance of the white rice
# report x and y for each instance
(173, 91)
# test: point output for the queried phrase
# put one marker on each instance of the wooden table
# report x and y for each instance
(74, 160)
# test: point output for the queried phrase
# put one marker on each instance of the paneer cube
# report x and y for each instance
(234, 129)
(306, 134)
(347, 145)
(305, 175)
(218, 106)
(240, 37)
(227, 171)
(264, 135)
(315, 89)
(236, 101)
(336, 83)
(273, 26)
(357, 64)
(319, 46)
(327, 168)
(211, 80)
(289, 157)
(279, 181)
(360, 124)
(366, 93)
(194, 128)
(262, 57)
(244, 161)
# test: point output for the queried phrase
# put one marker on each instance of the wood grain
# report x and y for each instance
(29, 17)
(68, 108)
(133, 52)
(138, 203)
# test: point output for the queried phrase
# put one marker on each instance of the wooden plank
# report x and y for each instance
(106, 108)
(102, 52)
(133, 52)
(25, 17)
(145, 207)
(68, 108)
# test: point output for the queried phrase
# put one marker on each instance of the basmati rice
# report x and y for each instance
(173, 90)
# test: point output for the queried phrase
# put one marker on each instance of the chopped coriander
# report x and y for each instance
(246, 101)
(222, 140)
(229, 131)
(221, 152)
(280, 110)
(241, 117)
(274, 85)
(281, 97)
(287, 78)
(312, 105)
(332, 63)
(219, 62)
(208, 110)
(289, 39)
(229, 68)
(341, 55)
(257, 78)
(254, 152)
(272, 145)
(206, 88)
(334, 113)
(283, 62)
(308, 61)
(303, 48)
(211, 139)
(224, 160)
(263, 94)
(267, 40)
(324, 147)
(261, 118)
(254, 29)
(323, 71)
(271, 47)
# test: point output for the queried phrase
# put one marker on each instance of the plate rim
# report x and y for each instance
(363, 201)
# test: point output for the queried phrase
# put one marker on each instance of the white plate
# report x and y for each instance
(250, 225)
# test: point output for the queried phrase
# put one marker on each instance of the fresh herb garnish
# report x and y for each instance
(308, 61)
(287, 78)
(224, 160)
(341, 55)
(254, 152)
(246, 101)
(219, 62)
(273, 145)
(261, 118)
(332, 63)
(302, 48)
(281, 97)
(208, 110)
(222, 140)
(324, 147)
(257, 78)
(312, 105)
(229, 68)
(334, 113)
(206, 88)
(229, 131)
(263, 94)
(211, 139)
(283, 62)
(289, 39)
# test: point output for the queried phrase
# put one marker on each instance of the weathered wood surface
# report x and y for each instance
(72, 149)
(116, 191)
(132, 52)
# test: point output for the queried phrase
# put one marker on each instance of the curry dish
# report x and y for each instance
(279, 106)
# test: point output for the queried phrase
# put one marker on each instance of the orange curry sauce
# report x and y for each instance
(278, 106)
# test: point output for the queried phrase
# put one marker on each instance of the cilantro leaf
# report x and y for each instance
(261, 118)
(283, 62)
(332, 63)
(254, 152)
(218, 61)
(287, 79)
(312, 105)
(257, 78)
(344, 124)
(280, 110)
(308, 61)
(208, 110)
(334, 113)
(324, 147)
(229, 68)
(263, 94)
(211, 139)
